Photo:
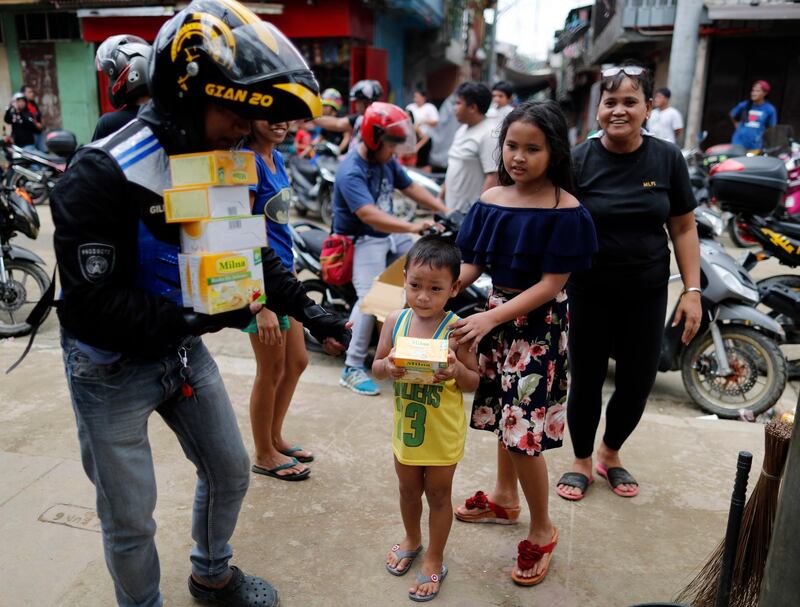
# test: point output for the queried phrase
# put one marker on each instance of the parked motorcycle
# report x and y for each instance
(307, 240)
(23, 280)
(312, 181)
(777, 235)
(787, 210)
(734, 362)
(37, 172)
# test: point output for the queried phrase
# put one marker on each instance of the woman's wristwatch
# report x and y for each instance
(692, 290)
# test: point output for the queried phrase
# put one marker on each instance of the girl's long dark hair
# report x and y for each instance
(550, 119)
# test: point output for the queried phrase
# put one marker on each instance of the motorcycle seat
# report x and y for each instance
(48, 156)
(313, 240)
(306, 168)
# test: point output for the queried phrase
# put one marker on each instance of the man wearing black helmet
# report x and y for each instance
(129, 347)
(124, 60)
(363, 93)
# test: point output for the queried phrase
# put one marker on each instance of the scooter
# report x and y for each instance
(23, 280)
(37, 172)
(312, 181)
(734, 362)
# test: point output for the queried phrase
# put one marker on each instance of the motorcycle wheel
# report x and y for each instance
(739, 234)
(320, 292)
(38, 192)
(326, 206)
(759, 372)
(26, 284)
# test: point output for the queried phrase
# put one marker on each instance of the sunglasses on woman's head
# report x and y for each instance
(628, 70)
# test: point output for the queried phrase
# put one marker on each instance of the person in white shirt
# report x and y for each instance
(665, 122)
(502, 93)
(426, 117)
(473, 158)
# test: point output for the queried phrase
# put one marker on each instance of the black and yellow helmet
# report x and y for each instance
(220, 51)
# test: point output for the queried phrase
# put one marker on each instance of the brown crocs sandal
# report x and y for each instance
(481, 510)
(528, 555)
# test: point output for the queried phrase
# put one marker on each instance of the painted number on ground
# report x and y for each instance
(71, 516)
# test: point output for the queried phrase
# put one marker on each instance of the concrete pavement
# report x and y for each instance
(322, 541)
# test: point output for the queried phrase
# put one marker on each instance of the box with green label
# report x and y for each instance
(221, 282)
(421, 358)
(218, 167)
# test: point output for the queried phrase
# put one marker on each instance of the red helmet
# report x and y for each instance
(387, 122)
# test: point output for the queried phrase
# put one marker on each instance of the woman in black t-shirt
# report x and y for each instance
(633, 185)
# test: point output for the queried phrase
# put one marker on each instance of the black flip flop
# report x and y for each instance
(273, 472)
(617, 476)
(574, 479)
(242, 589)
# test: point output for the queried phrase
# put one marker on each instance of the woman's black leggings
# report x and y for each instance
(631, 321)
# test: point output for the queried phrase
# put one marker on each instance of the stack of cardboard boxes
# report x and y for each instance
(221, 240)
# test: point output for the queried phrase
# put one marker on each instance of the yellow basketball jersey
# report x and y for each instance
(430, 424)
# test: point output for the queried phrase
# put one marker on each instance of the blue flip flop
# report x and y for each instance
(403, 554)
(425, 579)
(273, 472)
(294, 449)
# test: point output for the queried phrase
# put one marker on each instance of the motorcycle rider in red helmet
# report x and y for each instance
(362, 210)
(130, 347)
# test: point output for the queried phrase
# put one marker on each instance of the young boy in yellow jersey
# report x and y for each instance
(429, 420)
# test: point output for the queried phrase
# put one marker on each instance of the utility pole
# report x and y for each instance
(683, 55)
(493, 48)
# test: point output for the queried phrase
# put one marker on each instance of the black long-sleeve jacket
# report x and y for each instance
(23, 126)
(97, 206)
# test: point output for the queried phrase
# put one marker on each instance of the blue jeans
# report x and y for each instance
(112, 404)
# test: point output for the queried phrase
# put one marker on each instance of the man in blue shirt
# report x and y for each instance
(752, 117)
(362, 209)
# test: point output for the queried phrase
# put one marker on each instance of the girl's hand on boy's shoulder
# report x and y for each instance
(471, 330)
(443, 375)
(393, 371)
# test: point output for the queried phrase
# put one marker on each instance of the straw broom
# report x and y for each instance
(755, 534)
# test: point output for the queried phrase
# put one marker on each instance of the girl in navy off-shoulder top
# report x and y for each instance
(529, 234)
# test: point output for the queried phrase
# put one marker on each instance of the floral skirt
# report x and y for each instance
(523, 388)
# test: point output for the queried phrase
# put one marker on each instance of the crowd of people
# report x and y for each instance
(561, 232)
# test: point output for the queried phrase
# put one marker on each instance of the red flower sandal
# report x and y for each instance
(479, 509)
(528, 555)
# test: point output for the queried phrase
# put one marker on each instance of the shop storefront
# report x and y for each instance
(335, 37)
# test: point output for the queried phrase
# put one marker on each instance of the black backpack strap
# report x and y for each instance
(36, 317)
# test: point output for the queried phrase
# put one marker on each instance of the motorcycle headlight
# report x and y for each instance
(734, 283)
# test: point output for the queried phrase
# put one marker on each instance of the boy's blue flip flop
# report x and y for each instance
(425, 579)
(403, 554)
